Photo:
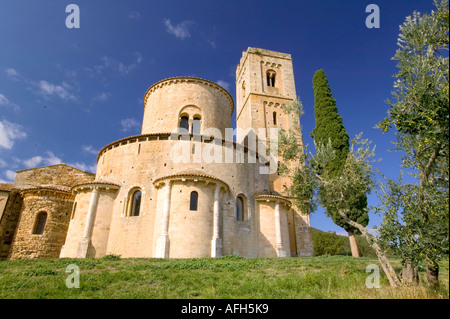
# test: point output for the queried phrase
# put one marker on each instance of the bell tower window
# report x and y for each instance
(184, 124)
(196, 125)
(270, 76)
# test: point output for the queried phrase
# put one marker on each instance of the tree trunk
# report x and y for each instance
(353, 244)
(432, 275)
(385, 264)
(409, 274)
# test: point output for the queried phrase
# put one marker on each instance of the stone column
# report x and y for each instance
(163, 243)
(83, 245)
(216, 242)
(280, 249)
(190, 124)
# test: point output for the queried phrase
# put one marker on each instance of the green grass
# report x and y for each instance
(227, 277)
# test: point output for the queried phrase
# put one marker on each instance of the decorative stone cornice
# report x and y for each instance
(196, 177)
(95, 185)
(167, 136)
(187, 79)
(53, 191)
(273, 198)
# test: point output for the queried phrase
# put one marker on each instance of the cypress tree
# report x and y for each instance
(329, 126)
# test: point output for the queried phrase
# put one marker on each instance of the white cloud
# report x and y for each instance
(49, 89)
(224, 84)
(89, 149)
(10, 132)
(84, 167)
(125, 69)
(10, 175)
(129, 124)
(3, 163)
(342, 233)
(3, 100)
(70, 74)
(134, 15)
(101, 97)
(49, 159)
(6, 102)
(46, 88)
(109, 63)
(33, 162)
(212, 43)
(181, 30)
(13, 74)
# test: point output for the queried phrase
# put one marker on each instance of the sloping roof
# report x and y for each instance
(6, 187)
(60, 164)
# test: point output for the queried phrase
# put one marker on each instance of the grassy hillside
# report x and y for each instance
(227, 277)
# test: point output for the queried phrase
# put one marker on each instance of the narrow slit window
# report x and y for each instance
(41, 220)
(194, 201)
(239, 209)
(274, 118)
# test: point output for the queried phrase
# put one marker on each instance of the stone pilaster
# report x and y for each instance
(163, 242)
(216, 242)
(85, 242)
(280, 248)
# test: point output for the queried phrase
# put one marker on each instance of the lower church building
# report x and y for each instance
(183, 188)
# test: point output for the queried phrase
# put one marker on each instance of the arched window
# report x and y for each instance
(135, 203)
(196, 125)
(184, 124)
(194, 201)
(39, 224)
(270, 76)
(240, 208)
(274, 118)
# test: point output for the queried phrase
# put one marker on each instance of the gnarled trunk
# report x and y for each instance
(409, 274)
(432, 275)
(385, 264)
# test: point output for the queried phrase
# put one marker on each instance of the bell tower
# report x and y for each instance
(264, 84)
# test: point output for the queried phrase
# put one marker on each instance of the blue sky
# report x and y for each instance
(65, 93)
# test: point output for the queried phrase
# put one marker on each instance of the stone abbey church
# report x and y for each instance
(142, 203)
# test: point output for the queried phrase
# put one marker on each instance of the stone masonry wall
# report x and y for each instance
(9, 216)
(58, 206)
